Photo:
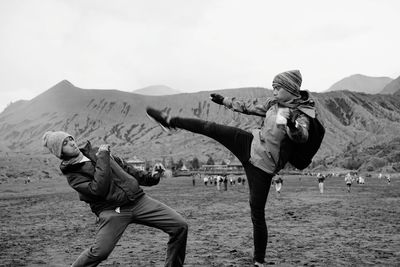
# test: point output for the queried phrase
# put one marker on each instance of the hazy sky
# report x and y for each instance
(192, 45)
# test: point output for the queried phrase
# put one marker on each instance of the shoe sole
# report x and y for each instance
(162, 126)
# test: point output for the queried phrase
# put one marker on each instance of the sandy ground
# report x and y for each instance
(44, 224)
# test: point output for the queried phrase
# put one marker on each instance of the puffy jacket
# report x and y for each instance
(270, 148)
(106, 181)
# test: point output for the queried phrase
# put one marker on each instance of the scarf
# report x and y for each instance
(73, 160)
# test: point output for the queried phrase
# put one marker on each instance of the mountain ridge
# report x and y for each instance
(156, 90)
(392, 87)
(118, 118)
(361, 83)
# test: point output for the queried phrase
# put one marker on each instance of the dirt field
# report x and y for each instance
(44, 224)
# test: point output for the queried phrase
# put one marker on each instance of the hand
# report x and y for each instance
(219, 99)
(291, 124)
(292, 121)
(284, 112)
(104, 147)
(158, 168)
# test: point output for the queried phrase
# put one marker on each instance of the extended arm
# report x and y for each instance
(143, 177)
(249, 107)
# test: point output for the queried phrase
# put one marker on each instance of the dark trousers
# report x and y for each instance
(238, 142)
(146, 211)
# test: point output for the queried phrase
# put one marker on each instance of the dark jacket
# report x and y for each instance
(106, 182)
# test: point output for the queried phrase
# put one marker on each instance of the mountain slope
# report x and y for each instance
(392, 87)
(156, 90)
(361, 83)
(118, 118)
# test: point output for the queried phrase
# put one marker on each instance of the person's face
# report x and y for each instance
(283, 95)
(69, 148)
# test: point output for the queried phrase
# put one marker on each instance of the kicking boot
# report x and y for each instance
(160, 117)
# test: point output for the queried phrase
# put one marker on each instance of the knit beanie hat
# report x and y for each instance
(288, 80)
(53, 141)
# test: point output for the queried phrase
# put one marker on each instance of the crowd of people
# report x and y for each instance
(349, 178)
(222, 181)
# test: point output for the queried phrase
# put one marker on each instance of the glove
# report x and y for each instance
(219, 99)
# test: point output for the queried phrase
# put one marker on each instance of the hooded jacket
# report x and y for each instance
(273, 143)
(106, 181)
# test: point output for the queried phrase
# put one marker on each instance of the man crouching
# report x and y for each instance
(112, 188)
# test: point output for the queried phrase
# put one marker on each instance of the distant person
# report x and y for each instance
(225, 181)
(321, 179)
(239, 179)
(205, 179)
(278, 184)
(349, 180)
(112, 189)
(220, 179)
(265, 150)
(380, 176)
(388, 178)
(193, 179)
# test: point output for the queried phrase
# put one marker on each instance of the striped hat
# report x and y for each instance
(288, 80)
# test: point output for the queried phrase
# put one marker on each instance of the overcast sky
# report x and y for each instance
(192, 45)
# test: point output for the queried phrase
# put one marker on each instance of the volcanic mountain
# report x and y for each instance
(118, 118)
(361, 83)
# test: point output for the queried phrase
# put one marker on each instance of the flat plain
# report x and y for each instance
(44, 224)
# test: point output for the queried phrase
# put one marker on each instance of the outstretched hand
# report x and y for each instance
(217, 98)
(158, 168)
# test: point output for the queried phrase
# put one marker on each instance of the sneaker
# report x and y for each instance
(257, 264)
(160, 117)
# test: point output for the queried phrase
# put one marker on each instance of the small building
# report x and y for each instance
(184, 168)
(137, 163)
(234, 167)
